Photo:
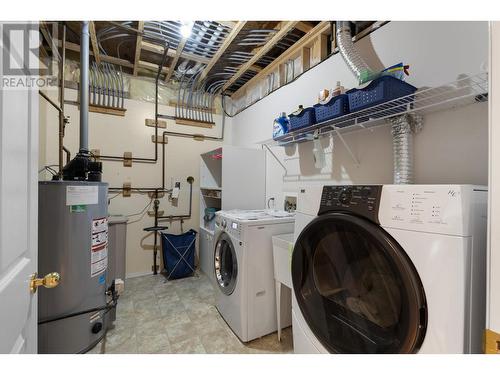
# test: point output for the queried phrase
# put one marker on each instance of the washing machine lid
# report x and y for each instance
(356, 287)
(225, 264)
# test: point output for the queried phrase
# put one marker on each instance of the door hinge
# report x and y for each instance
(491, 342)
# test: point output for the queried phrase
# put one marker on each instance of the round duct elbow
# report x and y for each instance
(349, 53)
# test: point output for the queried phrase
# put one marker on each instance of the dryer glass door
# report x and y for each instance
(356, 287)
(225, 264)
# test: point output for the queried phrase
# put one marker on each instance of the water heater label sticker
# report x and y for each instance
(78, 195)
(99, 247)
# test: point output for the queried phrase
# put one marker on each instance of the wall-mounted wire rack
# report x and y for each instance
(464, 91)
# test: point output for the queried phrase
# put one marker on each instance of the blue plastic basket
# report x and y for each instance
(303, 119)
(336, 107)
(178, 253)
(381, 90)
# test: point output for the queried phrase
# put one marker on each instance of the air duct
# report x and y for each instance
(84, 88)
(349, 53)
(403, 129)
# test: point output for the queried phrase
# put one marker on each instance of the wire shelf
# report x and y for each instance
(462, 92)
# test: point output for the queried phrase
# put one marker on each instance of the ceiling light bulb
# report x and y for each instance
(186, 29)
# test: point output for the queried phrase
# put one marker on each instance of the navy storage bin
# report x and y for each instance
(336, 107)
(305, 118)
(379, 91)
(178, 254)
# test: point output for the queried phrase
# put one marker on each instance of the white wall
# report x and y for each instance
(113, 135)
(453, 146)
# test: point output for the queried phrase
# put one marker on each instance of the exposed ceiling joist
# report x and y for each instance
(151, 66)
(155, 48)
(304, 27)
(230, 24)
(287, 26)
(178, 53)
(319, 29)
(138, 47)
(110, 59)
(227, 42)
(95, 46)
(50, 41)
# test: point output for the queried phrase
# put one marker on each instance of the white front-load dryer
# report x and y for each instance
(244, 271)
(389, 269)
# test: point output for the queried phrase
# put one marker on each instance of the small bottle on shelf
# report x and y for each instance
(339, 89)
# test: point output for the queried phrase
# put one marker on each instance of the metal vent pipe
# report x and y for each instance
(349, 53)
(403, 129)
(84, 88)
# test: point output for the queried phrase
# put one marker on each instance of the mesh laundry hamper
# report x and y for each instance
(178, 254)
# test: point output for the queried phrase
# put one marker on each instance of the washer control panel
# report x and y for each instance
(362, 200)
(232, 227)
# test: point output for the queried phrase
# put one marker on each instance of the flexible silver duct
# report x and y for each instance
(403, 129)
(84, 87)
(349, 53)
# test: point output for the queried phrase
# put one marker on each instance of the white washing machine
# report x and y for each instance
(390, 269)
(243, 270)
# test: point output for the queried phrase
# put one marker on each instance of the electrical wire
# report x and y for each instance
(114, 196)
(49, 169)
(144, 211)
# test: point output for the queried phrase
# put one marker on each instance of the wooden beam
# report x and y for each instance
(287, 26)
(151, 66)
(95, 46)
(305, 58)
(111, 59)
(230, 24)
(178, 53)
(227, 42)
(107, 110)
(304, 27)
(200, 124)
(305, 41)
(255, 68)
(155, 48)
(138, 46)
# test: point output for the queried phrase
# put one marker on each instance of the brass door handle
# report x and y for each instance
(51, 280)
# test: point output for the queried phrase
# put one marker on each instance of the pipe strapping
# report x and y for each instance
(403, 129)
(349, 53)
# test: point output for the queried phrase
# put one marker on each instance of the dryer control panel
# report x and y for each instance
(362, 200)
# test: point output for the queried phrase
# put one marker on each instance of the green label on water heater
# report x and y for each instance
(78, 208)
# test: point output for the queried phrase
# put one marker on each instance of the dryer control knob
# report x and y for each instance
(345, 196)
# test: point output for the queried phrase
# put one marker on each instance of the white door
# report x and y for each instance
(18, 215)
